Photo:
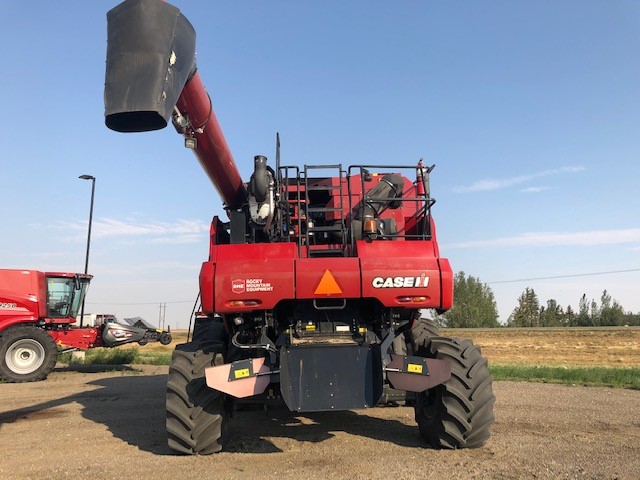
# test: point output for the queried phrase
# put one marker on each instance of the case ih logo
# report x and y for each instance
(400, 282)
(238, 286)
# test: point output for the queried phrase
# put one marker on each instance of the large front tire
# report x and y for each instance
(196, 418)
(27, 354)
(458, 413)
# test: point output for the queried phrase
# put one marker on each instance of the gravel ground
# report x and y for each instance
(111, 425)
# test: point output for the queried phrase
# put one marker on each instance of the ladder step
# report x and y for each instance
(327, 252)
(322, 167)
(323, 209)
(323, 187)
(315, 250)
(330, 228)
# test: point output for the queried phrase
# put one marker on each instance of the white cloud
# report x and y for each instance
(535, 189)
(489, 184)
(42, 255)
(552, 239)
(144, 268)
(180, 231)
(180, 239)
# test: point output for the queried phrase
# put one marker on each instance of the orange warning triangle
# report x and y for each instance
(327, 285)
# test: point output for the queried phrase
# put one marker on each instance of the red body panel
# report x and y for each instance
(260, 272)
(212, 150)
(397, 273)
(207, 297)
(22, 297)
(82, 338)
(446, 280)
(392, 271)
(344, 271)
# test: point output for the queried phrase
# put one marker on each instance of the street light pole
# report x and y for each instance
(86, 258)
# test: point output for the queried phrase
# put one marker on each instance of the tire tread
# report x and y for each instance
(195, 413)
(463, 405)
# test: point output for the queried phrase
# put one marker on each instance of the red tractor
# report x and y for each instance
(37, 313)
(313, 290)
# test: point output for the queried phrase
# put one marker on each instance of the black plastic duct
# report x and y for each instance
(390, 186)
(150, 58)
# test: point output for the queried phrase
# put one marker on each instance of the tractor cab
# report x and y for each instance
(65, 294)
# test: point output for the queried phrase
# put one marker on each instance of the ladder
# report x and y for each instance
(325, 240)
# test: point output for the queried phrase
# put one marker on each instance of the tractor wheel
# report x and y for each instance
(196, 418)
(165, 338)
(421, 333)
(27, 354)
(458, 413)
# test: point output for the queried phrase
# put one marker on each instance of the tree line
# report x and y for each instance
(474, 306)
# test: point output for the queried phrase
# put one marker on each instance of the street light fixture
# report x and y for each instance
(86, 258)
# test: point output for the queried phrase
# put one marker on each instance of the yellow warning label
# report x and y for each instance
(327, 285)
(414, 368)
(242, 373)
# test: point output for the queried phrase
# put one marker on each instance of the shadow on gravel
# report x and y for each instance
(133, 409)
(95, 368)
(248, 429)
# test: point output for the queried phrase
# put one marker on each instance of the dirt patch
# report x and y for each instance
(111, 425)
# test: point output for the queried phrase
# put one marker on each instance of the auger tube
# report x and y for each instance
(151, 76)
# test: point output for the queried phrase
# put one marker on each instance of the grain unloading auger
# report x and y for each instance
(313, 288)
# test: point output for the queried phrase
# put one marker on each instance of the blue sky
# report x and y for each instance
(530, 110)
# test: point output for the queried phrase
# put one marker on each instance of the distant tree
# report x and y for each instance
(570, 317)
(631, 319)
(527, 313)
(611, 312)
(552, 315)
(594, 313)
(584, 318)
(474, 304)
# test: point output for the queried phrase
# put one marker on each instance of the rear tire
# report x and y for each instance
(420, 335)
(458, 413)
(196, 418)
(27, 354)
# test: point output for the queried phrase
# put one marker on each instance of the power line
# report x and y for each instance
(162, 315)
(566, 276)
(138, 303)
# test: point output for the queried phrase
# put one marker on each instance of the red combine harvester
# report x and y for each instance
(312, 292)
(37, 312)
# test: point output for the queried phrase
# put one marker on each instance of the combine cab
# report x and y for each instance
(37, 315)
(315, 283)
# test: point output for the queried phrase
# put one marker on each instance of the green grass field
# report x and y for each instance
(616, 377)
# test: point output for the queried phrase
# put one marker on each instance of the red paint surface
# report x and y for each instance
(212, 151)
